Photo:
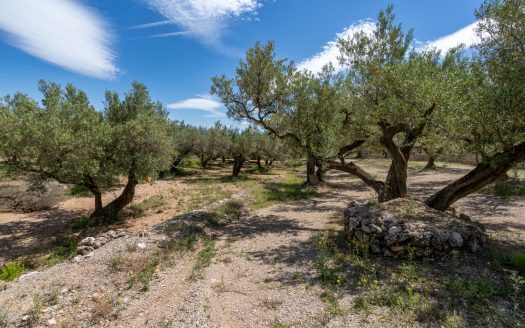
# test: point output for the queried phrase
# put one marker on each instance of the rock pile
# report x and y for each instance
(402, 226)
(89, 244)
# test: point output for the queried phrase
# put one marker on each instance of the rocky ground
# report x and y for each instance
(258, 271)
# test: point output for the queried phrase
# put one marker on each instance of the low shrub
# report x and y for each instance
(12, 270)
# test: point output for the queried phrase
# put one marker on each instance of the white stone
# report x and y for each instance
(51, 322)
(141, 246)
(455, 239)
(27, 275)
(88, 241)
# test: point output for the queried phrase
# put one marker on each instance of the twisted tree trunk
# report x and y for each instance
(486, 172)
(238, 162)
(110, 212)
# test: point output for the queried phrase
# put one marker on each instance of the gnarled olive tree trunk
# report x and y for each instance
(238, 162)
(110, 212)
(486, 172)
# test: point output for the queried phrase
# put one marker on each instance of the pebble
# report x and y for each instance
(51, 322)
(141, 246)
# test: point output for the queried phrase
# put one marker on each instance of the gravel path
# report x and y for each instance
(262, 275)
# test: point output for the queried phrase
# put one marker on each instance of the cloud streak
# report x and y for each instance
(205, 20)
(62, 32)
(466, 36)
(330, 51)
(203, 103)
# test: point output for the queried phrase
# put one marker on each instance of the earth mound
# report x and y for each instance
(404, 227)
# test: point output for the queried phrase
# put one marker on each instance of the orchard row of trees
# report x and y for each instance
(65, 139)
(393, 98)
(221, 142)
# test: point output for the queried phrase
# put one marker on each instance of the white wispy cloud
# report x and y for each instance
(202, 19)
(202, 102)
(330, 51)
(466, 36)
(63, 32)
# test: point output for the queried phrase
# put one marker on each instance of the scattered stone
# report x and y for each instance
(455, 240)
(142, 234)
(141, 246)
(111, 234)
(121, 234)
(51, 322)
(88, 241)
(26, 317)
(397, 249)
(78, 258)
(83, 250)
(427, 231)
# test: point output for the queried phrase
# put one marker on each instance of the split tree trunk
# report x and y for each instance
(486, 172)
(110, 212)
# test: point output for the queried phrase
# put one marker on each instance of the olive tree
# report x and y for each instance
(211, 143)
(67, 140)
(398, 94)
(185, 138)
(492, 120)
(299, 107)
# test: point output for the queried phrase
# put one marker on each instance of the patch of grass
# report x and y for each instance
(79, 191)
(183, 237)
(204, 257)
(226, 213)
(64, 247)
(512, 260)
(118, 263)
(36, 310)
(267, 193)
(271, 304)
(49, 298)
(80, 223)
(4, 320)
(190, 162)
(12, 270)
(143, 273)
(278, 324)
(329, 297)
(105, 308)
(153, 202)
(507, 186)
(455, 292)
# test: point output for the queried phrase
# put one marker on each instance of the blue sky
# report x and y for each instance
(176, 46)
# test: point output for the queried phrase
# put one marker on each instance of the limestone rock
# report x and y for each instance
(88, 241)
(427, 231)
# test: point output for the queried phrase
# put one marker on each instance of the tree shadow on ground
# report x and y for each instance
(32, 236)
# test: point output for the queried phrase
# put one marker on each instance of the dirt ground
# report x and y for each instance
(262, 273)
